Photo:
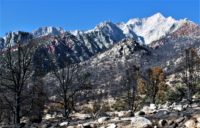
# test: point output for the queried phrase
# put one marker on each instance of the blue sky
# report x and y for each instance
(28, 15)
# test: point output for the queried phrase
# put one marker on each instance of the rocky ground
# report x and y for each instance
(175, 115)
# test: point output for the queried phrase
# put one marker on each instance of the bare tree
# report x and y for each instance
(39, 99)
(192, 63)
(15, 71)
(129, 83)
(72, 81)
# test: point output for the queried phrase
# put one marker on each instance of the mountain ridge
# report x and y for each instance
(136, 28)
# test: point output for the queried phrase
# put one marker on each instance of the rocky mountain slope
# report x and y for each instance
(43, 31)
(146, 42)
(107, 51)
(144, 31)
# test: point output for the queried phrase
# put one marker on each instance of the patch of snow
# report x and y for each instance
(151, 28)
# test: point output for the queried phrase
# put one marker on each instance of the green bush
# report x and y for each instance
(176, 95)
(119, 105)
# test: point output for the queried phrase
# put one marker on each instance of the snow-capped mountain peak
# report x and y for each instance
(157, 16)
(43, 31)
(143, 30)
(151, 28)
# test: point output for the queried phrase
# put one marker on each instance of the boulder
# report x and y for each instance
(147, 126)
(93, 125)
(63, 124)
(162, 113)
(173, 114)
(179, 120)
(140, 122)
(87, 125)
(166, 105)
(79, 126)
(140, 113)
(174, 125)
(126, 119)
(102, 119)
(113, 125)
(170, 122)
(178, 107)
(198, 125)
(195, 105)
(45, 125)
(190, 123)
(48, 117)
(148, 110)
(83, 116)
(198, 119)
(102, 127)
(152, 107)
(71, 127)
(114, 119)
(184, 101)
(124, 113)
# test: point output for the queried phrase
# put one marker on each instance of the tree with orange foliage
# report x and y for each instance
(155, 83)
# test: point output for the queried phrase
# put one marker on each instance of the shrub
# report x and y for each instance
(119, 105)
(176, 95)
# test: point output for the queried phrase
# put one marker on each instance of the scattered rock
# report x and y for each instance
(83, 116)
(190, 124)
(174, 114)
(86, 125)
(140, 122)
(198, 125)
(184, 101)
(125, 113)
(115, 119)
(126, 119)
(178, 107)
(186, 106)
(152, 106)
(45, 125)
(166, 105)
(71, 127)
(147, 110)
(146, 126)
(162, 113)
(174, 125)
(140, 113)
(92, 125)
(198, 119)
(64, 123)
(170, 122)
(112, 125)
(102, 127)
(102, 119)
(102, 114)
(179, 120)
(195, 105)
